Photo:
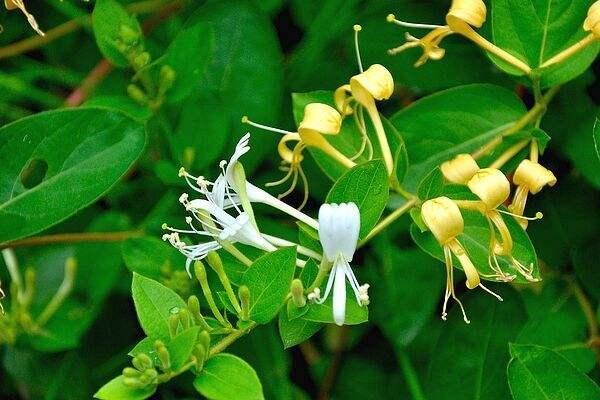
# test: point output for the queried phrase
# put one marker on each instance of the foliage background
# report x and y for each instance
(260, 53)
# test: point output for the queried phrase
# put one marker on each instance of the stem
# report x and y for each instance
(381, 137)
(96, 75)
(588, 311)
(509, 153)
(229, 339)
(571, 51)
(465, 29)
(324, 268)
(384, 223)
(412, 380)
(72, 238)
(61, 294)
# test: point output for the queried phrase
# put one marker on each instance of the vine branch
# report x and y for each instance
(72, 238)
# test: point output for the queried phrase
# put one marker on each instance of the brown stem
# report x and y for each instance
(72, 238)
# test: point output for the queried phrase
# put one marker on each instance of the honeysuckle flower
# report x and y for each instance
(463, 16)
(444, 219)
(492, 187)
(592, 21)
(319, 121)
(339, 225)
(530, 177)
(460, 169)
(19, 4)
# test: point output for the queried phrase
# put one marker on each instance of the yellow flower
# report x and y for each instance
(19, 4)
(460, 169)
(493, 189)
(461, 18)
(443, 218)
(530, 177)
(319, 120)
(592, 22)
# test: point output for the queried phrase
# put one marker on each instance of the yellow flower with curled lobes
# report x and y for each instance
(19, 4)
(319, 120)
(592, 22)
(460, 169)
(463, 16)
(444, 219)
(530, 177)
(492, 187)
(364, 89)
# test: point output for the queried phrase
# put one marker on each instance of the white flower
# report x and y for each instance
(339, 225)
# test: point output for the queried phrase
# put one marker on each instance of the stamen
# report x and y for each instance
(357, 28)
(490, 292)
(245, 120)
(538, 215)
(392, 19)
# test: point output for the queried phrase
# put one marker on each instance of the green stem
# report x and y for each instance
(387, 221)
(73, 238)
(323, 270)
(410, 375)
(229, 339)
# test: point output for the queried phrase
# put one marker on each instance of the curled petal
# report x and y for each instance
(491, 186)
(533, 176)
(473, 12)
(443, 218)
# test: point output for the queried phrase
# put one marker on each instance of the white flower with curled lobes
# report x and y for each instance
(339, 225)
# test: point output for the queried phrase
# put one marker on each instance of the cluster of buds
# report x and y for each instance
(20, 5)
(143, 373)
(463, 16)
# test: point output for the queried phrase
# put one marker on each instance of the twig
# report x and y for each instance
(229, 339)
(72, 238)
(590, 316)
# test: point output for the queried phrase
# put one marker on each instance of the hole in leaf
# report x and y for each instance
(34, 173)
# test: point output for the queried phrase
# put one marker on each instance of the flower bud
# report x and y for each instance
(128, 35)
(141, 60)
(166, 77)
(340, 97)
(473, 12)
(376, 82)
(491, 186)
(533, 176)
(443, 218)
(244, 295)
(297, 290)
(163, 354)
(142, 362)
(129, 372)
(460, 169)
(592, 22)
(136, 93)
(204, 340)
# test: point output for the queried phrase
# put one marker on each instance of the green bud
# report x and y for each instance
(166, 77)
(129, 372)
(297, 290)
(204, 340)
(194, 309)
(128, 35)
(200, 272)
(136, 93)
(215, 262)
(150, 374)
(142, 362)
(244, 295)
(173, 324)
(133, 382)
(141, 60)
(163, 355)
(184, 318)
(200, 354)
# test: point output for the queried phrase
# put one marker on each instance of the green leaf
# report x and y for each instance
(226, 377)
(122, 103)
(536, 372)
(309, 237)
(534, 31)
(355, 314)
(406, 288)
(295, 331)
(469, 360)
(188, 55)
(109, 18)
(459, 120)
(117, 390)
(476, 240)
(241, 37)
(269, 279)
(181, 347)
(154, 303)
(148, 256)
(366, 185)
(58, 162)
(432, 185)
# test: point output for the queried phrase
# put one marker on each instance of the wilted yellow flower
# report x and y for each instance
(461, 18)
(19, 4)
(459, 169)
(319, 120)
(443, 218)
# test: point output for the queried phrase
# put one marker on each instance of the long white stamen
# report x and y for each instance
(392, 18)
(245, 120)
(277, 241)
(357, 28)
(490, 292)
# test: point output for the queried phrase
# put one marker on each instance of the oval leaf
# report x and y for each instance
(117, 390)
(366, 185)
(56, 163)
(227, 377)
